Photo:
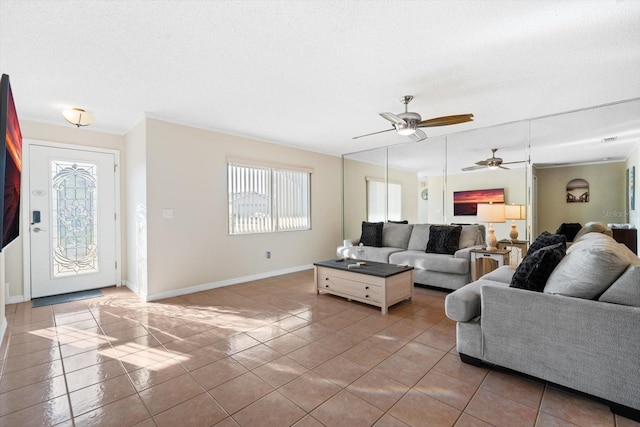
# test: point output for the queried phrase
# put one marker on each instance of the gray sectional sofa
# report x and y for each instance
(407, 244)
(581, 331)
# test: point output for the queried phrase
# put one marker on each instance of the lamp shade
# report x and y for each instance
(515, 212)
(78, 117)
(489, 212)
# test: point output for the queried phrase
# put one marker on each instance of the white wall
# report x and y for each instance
(423, 205)
(135, 189)
(355, 193)
(441, 195)
(61, 134)
(3, 318)
(186, 171)
(164, 165)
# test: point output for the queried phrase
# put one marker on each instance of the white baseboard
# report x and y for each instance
(14, 300)
(132, 286)
(222, 283)
(135, 288)
(3, 329)
(183, 291)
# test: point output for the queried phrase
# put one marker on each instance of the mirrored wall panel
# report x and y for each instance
(528, 163)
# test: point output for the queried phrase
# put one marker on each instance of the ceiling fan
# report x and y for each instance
(409, 123)
(492, 162)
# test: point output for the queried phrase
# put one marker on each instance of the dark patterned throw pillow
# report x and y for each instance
(443, 239)
(547, 239)
(371, 234)
(534, 270)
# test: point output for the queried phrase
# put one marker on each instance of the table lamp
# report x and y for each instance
(491, 213)
(515, 212)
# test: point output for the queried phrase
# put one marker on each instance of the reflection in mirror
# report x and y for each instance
(420, 166)
(362, 172)
(392, 184)
(598, 145)
(471, 165)
(539, 156)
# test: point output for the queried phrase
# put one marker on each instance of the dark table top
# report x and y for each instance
(379, 269)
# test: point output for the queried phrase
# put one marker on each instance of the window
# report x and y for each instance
(265, 198)
(384, 200)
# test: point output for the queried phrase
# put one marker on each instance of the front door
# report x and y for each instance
(72, 214)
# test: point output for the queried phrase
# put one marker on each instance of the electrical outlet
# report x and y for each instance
(267, 254)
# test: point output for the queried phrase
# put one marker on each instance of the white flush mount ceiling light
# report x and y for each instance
(78, 117)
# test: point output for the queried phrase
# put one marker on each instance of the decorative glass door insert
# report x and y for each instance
(72, 232)
(74, 218)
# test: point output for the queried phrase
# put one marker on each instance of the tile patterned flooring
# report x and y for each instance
(264, 353)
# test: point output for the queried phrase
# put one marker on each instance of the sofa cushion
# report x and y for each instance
(444, 239)
(396, 235)
(465, 303)
(502, 274)
(404, 221)
(432, 262)
(546, 239)
(471, 235)
(593, 227)
(371, 234)
(534, 270)
(419, 237)
(590, 267)
(369, 253)
(625, 290)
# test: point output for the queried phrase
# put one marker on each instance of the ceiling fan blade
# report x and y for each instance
(472, 168)
(394, 119)
(502, 167)
(482, 163)
(511, 163)
(418, 135)
(374, 133)
(446, 120)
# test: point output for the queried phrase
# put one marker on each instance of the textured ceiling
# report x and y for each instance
(313, 74)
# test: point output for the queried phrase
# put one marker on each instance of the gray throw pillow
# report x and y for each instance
(534, 270)
(419, 237)
(625, 290)
(444, 239)
(590, 267)
(371, 234)
(396, 235)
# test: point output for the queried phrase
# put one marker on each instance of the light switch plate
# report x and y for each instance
(167, 213)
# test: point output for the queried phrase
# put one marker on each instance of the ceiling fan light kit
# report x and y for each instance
(407, 130)
(409, 123)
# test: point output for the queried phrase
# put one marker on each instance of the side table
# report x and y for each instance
(523, 245)
(479, 255)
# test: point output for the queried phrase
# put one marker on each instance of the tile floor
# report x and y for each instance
(264, 353)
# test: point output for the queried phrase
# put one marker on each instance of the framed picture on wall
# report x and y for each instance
(577, 191)
(466, 202)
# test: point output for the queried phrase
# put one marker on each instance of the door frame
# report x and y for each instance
(26, 217)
